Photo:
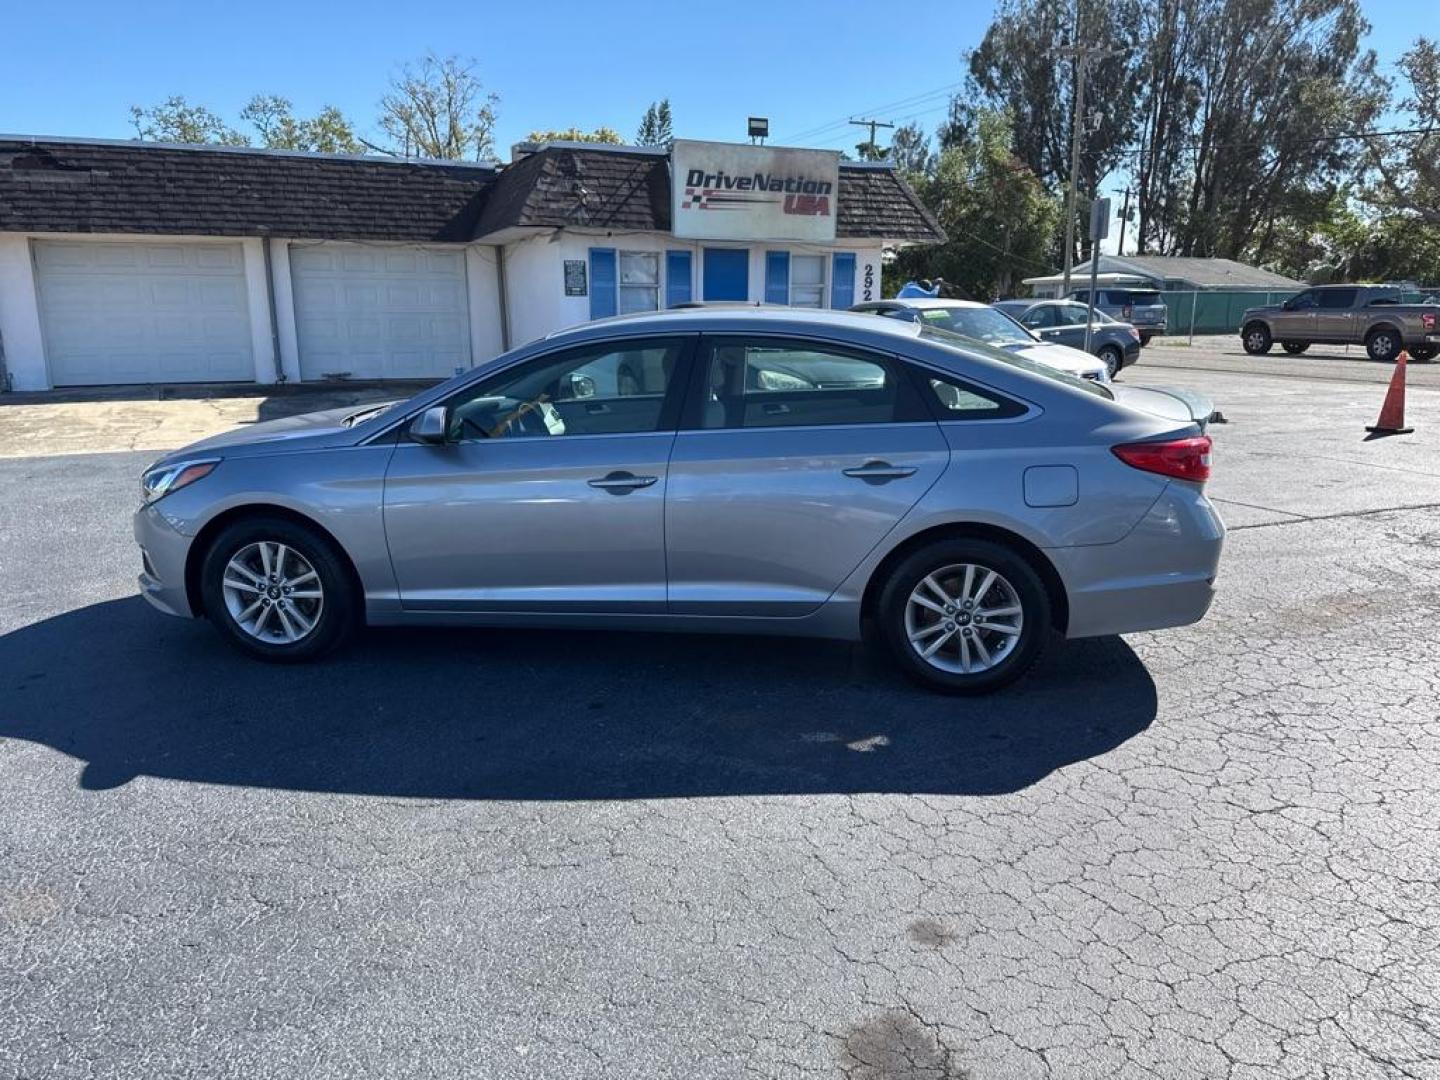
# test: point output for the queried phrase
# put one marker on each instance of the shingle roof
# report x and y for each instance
(60, 186)
(1204, 273)
(628, 188)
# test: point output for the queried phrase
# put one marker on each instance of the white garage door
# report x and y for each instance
(143, 312)
(371, 311)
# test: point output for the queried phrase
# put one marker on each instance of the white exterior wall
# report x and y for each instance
(20, 316)
(535, 290)
(535, 273)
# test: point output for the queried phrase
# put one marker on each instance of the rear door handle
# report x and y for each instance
(879, 470)
(622, 481)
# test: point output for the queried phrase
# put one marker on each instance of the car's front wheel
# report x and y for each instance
(964, 616)
(277, 590)
(1256, 339)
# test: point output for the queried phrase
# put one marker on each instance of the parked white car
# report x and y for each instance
(983, 323)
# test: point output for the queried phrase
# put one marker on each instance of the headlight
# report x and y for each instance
(163, 479)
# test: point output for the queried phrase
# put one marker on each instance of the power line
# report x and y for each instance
(904, 102)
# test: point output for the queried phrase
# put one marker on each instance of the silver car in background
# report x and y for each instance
(1063, 322)
(761, 471)
(983, 323)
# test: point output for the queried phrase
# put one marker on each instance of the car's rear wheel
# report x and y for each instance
(277, 590)
(1256, 339)
(1424, 352)
(964, 616)
(1383, 345)
(1145, 339)
(1113, 359)
(1295, 348)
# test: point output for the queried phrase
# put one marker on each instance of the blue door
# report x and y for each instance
(727, 274)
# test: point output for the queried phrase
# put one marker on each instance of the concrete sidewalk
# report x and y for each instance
(161, 418)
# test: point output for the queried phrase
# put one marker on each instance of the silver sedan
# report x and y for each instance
(747, 470)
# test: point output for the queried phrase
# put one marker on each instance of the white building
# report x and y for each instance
(127, 262)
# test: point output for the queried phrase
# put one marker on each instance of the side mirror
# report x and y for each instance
(430, 426)
(581, 386)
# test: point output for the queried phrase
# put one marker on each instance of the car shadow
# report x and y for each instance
(488, 714)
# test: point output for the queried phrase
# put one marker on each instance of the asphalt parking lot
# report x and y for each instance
(1209, 852)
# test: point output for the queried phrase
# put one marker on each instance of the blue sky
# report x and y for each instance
(74, 68)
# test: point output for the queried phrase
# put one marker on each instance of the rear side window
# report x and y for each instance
(953, 399)
(1134, 297)
(780, 383)
(1335, 299)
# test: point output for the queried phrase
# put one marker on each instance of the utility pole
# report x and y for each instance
(1082, 55)
(1124, 217)
(872, 125)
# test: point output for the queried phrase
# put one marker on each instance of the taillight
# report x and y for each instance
(1183, 459)
(1427, 320)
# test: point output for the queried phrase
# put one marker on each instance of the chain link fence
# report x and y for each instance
(1214, 311)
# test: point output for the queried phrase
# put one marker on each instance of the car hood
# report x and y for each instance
(1075, 361)
(305, 431)
(1182, 406)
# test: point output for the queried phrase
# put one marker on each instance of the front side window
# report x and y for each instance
(614, 388)
(807, 281)
(1304, 302)
(639, 281)
(1039, 317)
(790, 384)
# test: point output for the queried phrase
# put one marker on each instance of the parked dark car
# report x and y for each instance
(1143, 309)
(1063, 322)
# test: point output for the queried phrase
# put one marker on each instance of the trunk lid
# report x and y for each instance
(1173, 403)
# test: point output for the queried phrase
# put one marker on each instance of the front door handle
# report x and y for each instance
(879, 470)
(622, 481)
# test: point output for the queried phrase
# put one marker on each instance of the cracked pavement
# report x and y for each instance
(1207, 852)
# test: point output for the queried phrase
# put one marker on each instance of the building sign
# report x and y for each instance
(724, 191)
(575, 277)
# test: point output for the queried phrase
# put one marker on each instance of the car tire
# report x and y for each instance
(1113, 359)
(1295, 348)
(1145, 339)
(1383, 345)
(971, 657)
(278, 590)
(1256, 339)
(1424, 353)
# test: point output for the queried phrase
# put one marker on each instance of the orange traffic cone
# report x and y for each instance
(1392, 413)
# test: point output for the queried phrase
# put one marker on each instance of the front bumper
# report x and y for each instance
(1161, 575)
(163, 554)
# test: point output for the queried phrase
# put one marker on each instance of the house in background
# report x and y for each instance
(1168, 274)
(129, 262)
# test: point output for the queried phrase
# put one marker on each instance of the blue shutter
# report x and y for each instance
(602, 283)
(677, 278)
(777, 277)
(842, 280)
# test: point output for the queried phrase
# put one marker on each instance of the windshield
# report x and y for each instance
(982, 323)
(964, 344)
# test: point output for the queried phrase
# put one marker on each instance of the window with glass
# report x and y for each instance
(957, 400)
(1337, 299)
(790, 384)
(639, 281)
(807, 281)
(607, 389)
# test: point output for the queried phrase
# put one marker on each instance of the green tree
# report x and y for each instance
(1000, 220)
(175, 120)
(328, 132)
(910, 149)
(656, 127)
(574, 134)
(437, 107)
(1408, 166)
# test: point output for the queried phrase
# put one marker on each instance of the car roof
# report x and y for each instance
(739, 318)
(925, 303)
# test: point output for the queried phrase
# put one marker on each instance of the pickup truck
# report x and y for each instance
(1372, 315)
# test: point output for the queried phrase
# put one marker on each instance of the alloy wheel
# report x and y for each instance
(273, 593)
(964, 618)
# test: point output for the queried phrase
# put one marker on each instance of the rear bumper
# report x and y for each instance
(1162, 574)
(163, 553)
